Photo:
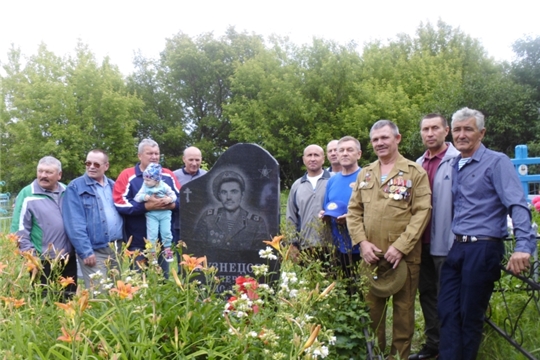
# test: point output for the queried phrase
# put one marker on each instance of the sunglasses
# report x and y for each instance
(96, 165)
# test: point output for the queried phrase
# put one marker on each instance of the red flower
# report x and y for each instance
(247, 286)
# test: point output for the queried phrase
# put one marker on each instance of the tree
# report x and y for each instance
(64, 108)
(185, 92)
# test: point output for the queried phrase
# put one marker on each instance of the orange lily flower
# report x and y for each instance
(69, 336)
(275, 243)
(65, 281)
(124, 291)
(18, 302)
(68, 308)
(13, 238)
(83, 300)
(191, 263)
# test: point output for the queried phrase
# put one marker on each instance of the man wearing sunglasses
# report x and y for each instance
(92, 223)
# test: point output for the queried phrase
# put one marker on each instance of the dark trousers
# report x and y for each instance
(428, 287)
(69, 270)
(160, 259)
(467, 280)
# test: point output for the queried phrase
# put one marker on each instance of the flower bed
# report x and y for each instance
(307, 313)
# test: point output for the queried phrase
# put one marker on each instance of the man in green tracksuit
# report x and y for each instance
(37, 220)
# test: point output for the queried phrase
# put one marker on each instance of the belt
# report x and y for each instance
(468, 238)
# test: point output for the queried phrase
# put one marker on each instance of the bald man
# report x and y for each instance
(333, 157)
(306, 198)
(190, 171)
(192, 166)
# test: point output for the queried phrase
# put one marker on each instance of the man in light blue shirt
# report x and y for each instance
(485, 190)
(92, 223)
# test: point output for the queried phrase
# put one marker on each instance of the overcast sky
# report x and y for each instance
(119, 28)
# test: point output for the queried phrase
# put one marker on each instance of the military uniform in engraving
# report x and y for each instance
(246, 232)
(393, 212)
(230, 227)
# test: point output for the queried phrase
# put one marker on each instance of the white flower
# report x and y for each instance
(332, 340)
(293, 293)
(240, 314)
(253, 334)
(128, 279)
(259, 270)
(108, 286)
(96, 275)
(267, 254)
(322, 352)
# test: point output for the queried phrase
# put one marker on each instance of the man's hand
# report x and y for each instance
(393, 256)
(342, 220)
(155, 203)
(518, 262)
(368, 252)
(90, 261)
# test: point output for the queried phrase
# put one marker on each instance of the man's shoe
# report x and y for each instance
(425, 353)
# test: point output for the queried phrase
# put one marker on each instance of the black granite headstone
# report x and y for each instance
(227, 213)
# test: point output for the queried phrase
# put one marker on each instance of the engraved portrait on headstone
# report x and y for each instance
(227, 213)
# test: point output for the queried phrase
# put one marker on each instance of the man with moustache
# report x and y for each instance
(306, 198)
(438, 237)
(485, 189)
(128, 184)
(332, 154)
(92, 223)
(337, 196)
(230, 227)
(37, 220)
(389, 209)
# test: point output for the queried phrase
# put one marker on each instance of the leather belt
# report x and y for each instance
(469, 238)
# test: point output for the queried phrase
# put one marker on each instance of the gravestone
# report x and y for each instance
(227, 213)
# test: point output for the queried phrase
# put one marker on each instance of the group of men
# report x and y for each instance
(90, 218)
(443, 216)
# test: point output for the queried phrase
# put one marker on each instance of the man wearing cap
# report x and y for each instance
(336, 199)
(485, 190)
(389, 209)
(128, 184)
(231, 226)
(306, 198)
(438, 237)
(333, 158)
(92, 223)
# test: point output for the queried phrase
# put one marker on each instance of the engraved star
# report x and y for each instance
(265, 171)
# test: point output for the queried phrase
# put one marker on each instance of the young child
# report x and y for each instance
(157, 221)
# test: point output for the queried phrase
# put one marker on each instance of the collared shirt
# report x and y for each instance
(431, 164)
(184, 177)
(113, 218)
(485, 190)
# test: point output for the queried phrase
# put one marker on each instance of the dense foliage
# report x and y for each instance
(306, 313)
(213, 92)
